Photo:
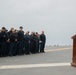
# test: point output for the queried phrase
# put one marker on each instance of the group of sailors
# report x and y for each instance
(16, 42)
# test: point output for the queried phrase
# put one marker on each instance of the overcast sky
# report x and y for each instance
(56, 17)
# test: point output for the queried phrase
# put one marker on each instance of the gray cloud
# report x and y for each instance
(55, 17)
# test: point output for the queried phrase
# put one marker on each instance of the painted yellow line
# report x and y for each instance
(35, 65)
(59, 49)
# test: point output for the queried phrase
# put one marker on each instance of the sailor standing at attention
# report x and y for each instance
(42, 41)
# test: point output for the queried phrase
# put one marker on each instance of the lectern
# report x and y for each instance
(74, 51)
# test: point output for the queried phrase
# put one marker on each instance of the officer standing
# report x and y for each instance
(13, 40)
(33, 42)
(3, 41)
(16, 42)
(8, 43)
(37, 42)
(21, 41)
(27, 42)
(42, 41)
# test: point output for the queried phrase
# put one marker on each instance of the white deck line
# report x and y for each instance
(34, 65)
(38, 65)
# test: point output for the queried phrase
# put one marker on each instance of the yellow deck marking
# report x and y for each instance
(59, 49)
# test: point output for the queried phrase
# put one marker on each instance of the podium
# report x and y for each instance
(74, 51)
